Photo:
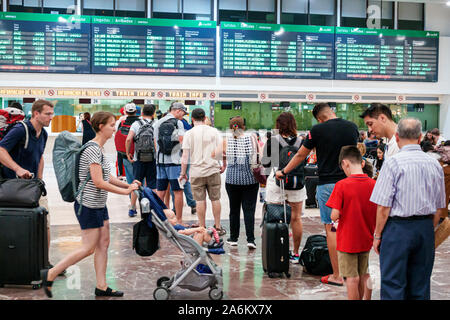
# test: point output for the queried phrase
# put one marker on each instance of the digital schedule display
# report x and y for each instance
(282, 51)
(383, 54)
(44, 43)
(153, 46)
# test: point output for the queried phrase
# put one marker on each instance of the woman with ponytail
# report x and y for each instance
(242, 187)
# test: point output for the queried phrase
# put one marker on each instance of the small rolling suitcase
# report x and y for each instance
(275, 246)
(23, 245)
(311, 181)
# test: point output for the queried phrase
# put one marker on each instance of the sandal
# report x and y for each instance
(326, 281)
(108, 293)
(46, 285)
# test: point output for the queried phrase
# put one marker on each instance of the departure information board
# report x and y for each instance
(153, 46)
(283, 51)
(383, 54)
(44, 43)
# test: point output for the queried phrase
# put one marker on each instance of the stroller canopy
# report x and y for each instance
(155, 203)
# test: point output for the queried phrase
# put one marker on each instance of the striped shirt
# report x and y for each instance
(93, 197)
(411, 183)
(239, 153)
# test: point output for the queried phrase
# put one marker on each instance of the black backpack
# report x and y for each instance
(165, 142)
(314, 257)
(145, 238)
(294, 180)
(143, 142)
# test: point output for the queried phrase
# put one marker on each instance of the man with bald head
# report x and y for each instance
(409, 191)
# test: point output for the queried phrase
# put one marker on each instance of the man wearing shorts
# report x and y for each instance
(168, 166)
(199, 144)
(328, 137)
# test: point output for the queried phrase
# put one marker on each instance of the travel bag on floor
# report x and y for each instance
(23, 245)
(314, 257)
(275, 246)
(311, 182)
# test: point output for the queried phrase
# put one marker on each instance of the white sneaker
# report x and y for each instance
(231, 242)
(251, 245)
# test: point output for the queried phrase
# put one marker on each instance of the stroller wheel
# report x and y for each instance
(215, 294)
(161, 282)
(161, 293)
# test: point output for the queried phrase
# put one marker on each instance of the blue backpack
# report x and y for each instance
(66, 163)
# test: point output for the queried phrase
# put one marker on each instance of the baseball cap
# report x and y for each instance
(179, 105)
(130, 107)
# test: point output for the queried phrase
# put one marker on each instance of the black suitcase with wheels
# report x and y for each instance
(23, 245)
(275, 246)
(311, 182)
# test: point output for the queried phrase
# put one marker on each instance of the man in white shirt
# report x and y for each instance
(378, 118)
(199, 144)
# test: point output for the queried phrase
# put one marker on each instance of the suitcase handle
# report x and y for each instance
(282, 195)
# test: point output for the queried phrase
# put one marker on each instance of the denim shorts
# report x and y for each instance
(91, 218)
(323, 193)
(168, 174)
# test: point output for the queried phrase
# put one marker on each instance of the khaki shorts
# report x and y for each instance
(211, 183)
(43, 202)
(352, 265)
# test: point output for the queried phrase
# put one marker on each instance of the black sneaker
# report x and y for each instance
(251, 245)
(232, 242)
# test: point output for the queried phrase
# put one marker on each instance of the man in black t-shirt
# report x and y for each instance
(328, 137)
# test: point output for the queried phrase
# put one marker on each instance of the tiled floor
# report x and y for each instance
(243, 276)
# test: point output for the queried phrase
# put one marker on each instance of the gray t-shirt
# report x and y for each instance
(175, 157)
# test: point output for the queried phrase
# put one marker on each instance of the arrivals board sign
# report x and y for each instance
(44, 43)
(153, 46)
(383, 54)
(281, 51)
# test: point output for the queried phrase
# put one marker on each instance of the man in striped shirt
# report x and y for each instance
(409, 191)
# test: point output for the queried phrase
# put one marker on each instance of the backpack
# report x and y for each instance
(165, 141)
(444, 152)
(66, 163)
(294, 180)
(143, 142)
(8, 118)
(314, 257)
(121, 137)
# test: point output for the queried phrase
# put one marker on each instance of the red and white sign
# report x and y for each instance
(262, 96)
(400, 98)
(106, 93)
(51, 92)
(160, 94)
(311, 97)
(356, 97)
(212, 95)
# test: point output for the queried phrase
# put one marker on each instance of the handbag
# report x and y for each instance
(145, 238)
(21, 193)
(273, 212)
(256, 166)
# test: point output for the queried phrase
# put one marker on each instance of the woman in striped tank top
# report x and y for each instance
(241, 186)
(93, 216)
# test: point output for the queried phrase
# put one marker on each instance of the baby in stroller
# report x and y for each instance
(198, 269)
(204, 237)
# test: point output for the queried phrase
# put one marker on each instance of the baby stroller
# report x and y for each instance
(198, 270)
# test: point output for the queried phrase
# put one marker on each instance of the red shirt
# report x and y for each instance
(351, 196)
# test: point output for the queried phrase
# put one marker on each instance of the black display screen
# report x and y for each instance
(153, 46)
(382, 54)
(284, 51)
(44, 43)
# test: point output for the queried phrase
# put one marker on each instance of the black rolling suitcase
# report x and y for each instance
(23, 245)
(311, 181)
(275, 246)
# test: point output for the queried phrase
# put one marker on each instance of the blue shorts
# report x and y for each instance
(168, 174)
(323, 193)
(91, 218)
(147, 171)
